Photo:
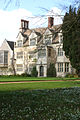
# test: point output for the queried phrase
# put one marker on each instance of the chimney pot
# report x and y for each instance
(24, 25)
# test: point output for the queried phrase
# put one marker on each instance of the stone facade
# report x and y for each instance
(36, 47)
(6, 57)
(39, 47)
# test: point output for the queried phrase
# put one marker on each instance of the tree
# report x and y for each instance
(71, 37)
(51, 71)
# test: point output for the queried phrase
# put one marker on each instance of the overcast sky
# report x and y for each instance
(11, 15)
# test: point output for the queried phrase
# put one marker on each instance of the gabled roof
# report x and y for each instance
(11, 44)
(40, 31)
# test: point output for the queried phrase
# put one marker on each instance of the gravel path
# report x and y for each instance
(37, 81)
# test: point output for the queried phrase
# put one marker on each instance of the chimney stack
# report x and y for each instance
(50, 22)
(24, 25)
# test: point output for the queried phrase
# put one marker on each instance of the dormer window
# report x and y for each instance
(19, 43)
(47, 39)
(33, 42)
(60, 52)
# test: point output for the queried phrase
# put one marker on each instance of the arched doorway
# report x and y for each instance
(41, 71)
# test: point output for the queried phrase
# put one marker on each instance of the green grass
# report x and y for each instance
(20, 78)
(40, 101)
(38, 85)
(53, 104)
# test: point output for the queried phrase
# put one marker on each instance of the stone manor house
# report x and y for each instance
(35, 47)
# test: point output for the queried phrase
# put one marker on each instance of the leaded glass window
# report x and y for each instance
(66, 67)
(60, 67)
(33, 42)
(60, 52)
(42, 53)
(19, 67)
(19, 55)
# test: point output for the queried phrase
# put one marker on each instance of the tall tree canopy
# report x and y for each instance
(71, 37)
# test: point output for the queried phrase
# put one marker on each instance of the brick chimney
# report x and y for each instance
(24, 25)
(50, 22)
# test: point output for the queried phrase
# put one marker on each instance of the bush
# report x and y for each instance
(25, 75)
(69, 75)
(51, 71)
(34, 72)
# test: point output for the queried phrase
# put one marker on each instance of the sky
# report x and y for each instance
(36, 11)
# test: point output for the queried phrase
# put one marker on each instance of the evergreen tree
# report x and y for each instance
(71, 37)
(34, 72)
(51, 71)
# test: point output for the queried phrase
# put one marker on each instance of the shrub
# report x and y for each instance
(25, 75)
(34, 72)
(51, 71)
(69, 75)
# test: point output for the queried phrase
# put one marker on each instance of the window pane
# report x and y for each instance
(1, 57)
(60, 67)
(66, 67)
(5, 57)
(42, 53)
(19, 43)
(19, 67)
(60, 52)
(33, 42)
(47, 39)
(19, 55)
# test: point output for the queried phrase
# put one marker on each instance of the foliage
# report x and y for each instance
(34, 72)
(55, 104)
(51, 71)
(38, 85)
(13, 78)
(25, 75)
(69, 75)
(71, 37)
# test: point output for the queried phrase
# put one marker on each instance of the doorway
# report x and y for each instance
(41, 71)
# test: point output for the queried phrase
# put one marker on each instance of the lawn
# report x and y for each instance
(59, 100)
(38, 85)
(48, 104)
(21, 78)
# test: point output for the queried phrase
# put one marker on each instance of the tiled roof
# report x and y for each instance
(11, 44)
(40, 31)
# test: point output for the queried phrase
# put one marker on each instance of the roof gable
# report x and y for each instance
(33, 34)
(7, 45)
(48, 32)
(11, 44)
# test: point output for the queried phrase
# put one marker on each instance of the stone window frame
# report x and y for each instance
(19, 67)
(4, 57)
(67, 67)
(47, 39)
(60, 51)
(60, 67)
(19, 55)
(19, 43)
(33, 40)
(42, 53)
